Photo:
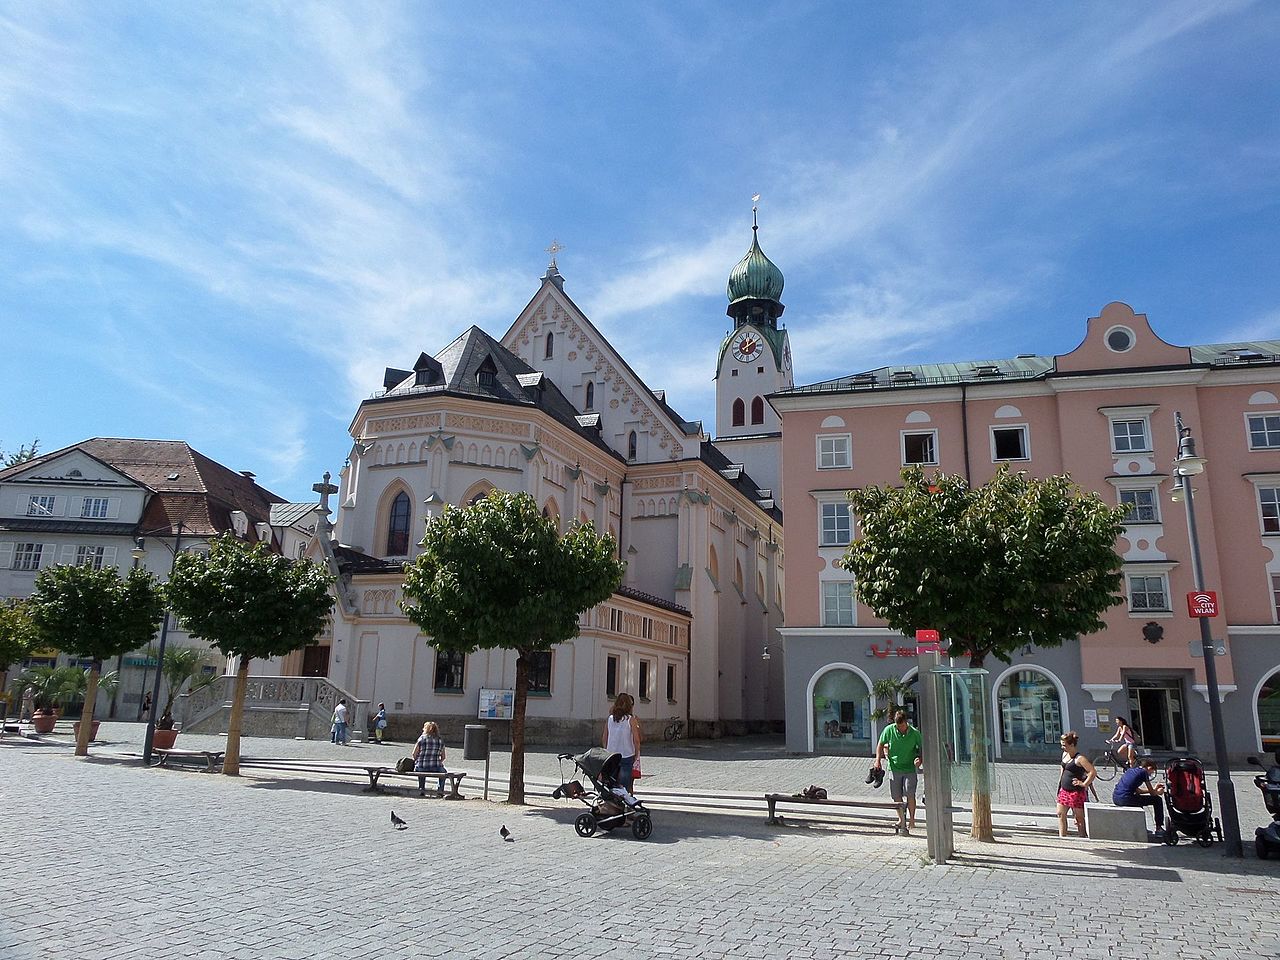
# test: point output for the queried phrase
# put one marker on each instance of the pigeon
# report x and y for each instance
(397, 822)
(506, 834)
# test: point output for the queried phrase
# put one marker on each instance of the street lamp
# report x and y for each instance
(164, 635)
(1186, 466)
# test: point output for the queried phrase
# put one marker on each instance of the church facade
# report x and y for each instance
(551, 409)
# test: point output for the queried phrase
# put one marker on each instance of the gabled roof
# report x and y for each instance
(287, 514)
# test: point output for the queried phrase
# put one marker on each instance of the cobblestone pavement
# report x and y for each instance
(108, 860)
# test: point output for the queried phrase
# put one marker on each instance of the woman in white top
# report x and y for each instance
(622, 735)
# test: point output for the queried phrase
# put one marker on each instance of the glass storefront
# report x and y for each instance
(1268, 707)
(841, 713)
(1030, 715)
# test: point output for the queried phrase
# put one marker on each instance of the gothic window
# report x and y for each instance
(591, 396)
(757, 410)
(398, 526)
(551, 346)
(739, 412)
(631, 445)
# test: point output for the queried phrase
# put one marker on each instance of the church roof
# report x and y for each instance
(476, 365)
(755, 276)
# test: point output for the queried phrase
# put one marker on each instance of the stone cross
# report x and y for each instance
(326, 490)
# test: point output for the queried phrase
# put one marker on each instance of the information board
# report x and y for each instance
(496, 704)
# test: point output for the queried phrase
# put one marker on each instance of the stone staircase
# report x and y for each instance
(273, 707)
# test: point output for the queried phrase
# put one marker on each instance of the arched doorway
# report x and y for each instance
(1266, 706)
(840, 711)
(1029, 709)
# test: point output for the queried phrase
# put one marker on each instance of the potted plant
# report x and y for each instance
(47, 683)
(107, 684)
(181, 665)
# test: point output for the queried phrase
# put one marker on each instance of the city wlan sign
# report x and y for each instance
(1202, 603)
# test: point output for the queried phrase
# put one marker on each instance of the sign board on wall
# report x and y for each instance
(496, 704)
(1091, 718)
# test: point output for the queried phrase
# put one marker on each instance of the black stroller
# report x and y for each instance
(610, 805)
(1186, 797)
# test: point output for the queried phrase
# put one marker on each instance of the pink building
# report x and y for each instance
(1104, 413)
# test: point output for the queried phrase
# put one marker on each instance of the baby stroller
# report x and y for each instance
(1190, 807)
(610, 805)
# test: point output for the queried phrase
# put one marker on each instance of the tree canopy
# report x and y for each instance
(249, 603)
(17, 634)
(1016, 561)
(498, 574)
(11, 458)
(95, 613)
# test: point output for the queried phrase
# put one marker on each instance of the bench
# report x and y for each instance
(374, 771)
(773, 799)
(212, 758)
(1105, 822)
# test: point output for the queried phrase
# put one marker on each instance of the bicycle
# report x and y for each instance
(1109, 764)
(674, 729)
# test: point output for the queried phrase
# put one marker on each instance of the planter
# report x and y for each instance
(163, 739)
(93, 730)
(44, 722)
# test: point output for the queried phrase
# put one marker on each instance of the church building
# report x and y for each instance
(552, 409)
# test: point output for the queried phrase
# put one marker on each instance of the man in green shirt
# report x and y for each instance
(903, 745)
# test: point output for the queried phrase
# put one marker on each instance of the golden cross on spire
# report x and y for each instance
(556, 247)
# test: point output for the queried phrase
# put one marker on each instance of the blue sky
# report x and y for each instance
(219, 222)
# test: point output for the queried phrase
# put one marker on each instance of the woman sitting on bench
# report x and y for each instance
(428, 756)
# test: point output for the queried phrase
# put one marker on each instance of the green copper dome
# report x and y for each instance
(755, 277)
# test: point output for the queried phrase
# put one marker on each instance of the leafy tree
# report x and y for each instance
(1016, 561)
(497, 574)
(180, 665)
(17, 634)
(249, 603)
(95, 614)
(21, 455)
(893, 692)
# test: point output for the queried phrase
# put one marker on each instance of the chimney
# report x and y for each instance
(248, 474)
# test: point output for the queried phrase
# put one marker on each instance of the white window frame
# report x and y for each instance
(829, 534)
(27, 557)
(830, 596)
(1026, 441)
(104, 503)
(834, 452)
(1162, 576)
(1268, 498)
(37, 506)
(1155, 503)
(90, 556)
(1262, 415)
(902, 448)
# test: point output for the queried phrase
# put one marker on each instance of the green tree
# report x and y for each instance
(893, 692)
(21, 455)
(497, 574)
(17, 634)
(1016, 561)
(94, 614)
(249, 603)
(180, 665)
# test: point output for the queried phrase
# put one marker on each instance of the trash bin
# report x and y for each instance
(475, 742)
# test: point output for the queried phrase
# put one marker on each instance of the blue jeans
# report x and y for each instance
(339, 732)
(625, 770)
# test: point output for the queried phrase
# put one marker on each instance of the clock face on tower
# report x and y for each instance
(747, 346)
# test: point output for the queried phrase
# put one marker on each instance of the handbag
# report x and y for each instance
(404, 765)
(382, 723)
(635, 770)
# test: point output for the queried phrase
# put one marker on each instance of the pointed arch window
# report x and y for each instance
(398, 526)
(551, 347)
(757, 410)
(631, 445)
(739, 412)
(591, 396)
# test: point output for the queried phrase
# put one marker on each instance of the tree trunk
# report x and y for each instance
(515, 786)
(231, 762)
(981, 768)
(86, 715)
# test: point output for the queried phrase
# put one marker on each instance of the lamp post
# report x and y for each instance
(164, 635)
(1186, 466)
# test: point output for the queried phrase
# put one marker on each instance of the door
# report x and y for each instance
(315, 661)
(1157, 715)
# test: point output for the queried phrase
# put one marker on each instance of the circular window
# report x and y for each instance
(1119, 339)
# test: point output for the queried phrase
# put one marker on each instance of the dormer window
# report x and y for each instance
(487, 375)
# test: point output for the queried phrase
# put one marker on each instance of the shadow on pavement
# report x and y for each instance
(1188, 856)
(1068, 868)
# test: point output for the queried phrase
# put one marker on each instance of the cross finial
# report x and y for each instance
(556, 247)
(325, 489)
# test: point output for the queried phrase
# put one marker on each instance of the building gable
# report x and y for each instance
(1119, 339)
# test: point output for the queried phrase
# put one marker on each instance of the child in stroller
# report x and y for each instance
(1189, 804)
(609, 805)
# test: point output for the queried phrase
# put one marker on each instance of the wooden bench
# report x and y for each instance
(374, 771)
(212, 758)
(773, 799)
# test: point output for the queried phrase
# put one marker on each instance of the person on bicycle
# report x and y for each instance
(1125, 740)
